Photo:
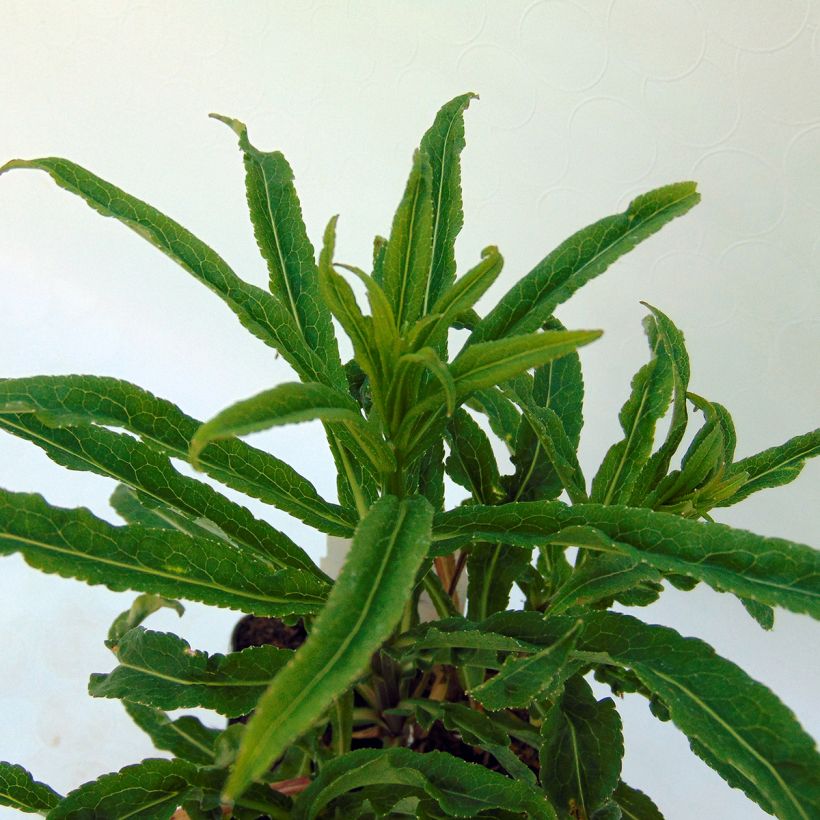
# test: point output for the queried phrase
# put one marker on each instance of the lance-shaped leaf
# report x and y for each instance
(475, 728)
(492, 569)
(19, 790)
(491, 363)
(442, 146)
(582, 750)
(150, 790)
(735, 724)
(260, 312)
(600, 578)
(501, 413)
(69, 400)
(427, 359)
(161, 670)
(408, 256)
(673, 344)
(460, 789)
(634, 804)
(457, 300)
(471, 462)
(587, 253)
(159, 484)
(364, 606)
(648, 401)
(773, 467)
(551, 436)
(772, 571)
(290, 403)
(186, 737)
(76, 544)
(557, 386)
(521, 680)
(283, 241)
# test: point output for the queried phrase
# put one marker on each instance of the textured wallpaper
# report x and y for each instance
(584, 104)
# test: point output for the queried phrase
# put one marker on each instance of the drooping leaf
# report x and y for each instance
(260, 312)
(772, 571)
(74, 543)
(186, 737)
(408, 256)
(283, 241)
(459, 789)
(589, 252)
(521, 680)
(471, 462)
(442, 145)
(501, 413)
(161, 670)
(290, 403)
(427, 359)
(19, 790)
(71, 400)
(652, 389)
(160, 485)
(773, 467)
(143, 606)
(582, 750)
(364, 606)
(735, 724)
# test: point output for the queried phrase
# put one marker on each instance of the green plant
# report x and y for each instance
(506, 689)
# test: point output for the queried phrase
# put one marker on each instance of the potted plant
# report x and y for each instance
(371, 711)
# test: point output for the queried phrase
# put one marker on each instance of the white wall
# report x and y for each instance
(583, 104)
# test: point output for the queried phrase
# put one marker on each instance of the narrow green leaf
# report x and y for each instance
(651, 393)
(501, 413)
(442, 146)
(582, 750)
(458, 299)
(491, 363)
(672, 346)
(492, 569)
(19, 790)
(290, 403)
(186, 737)
(76, 544)
(71, 400)
(283, 241)
(773, 467)
(460, 789)
(161, 670)
(552, 438)
(151, 790)
(408, 256)
(520, 681)
(735, 724)
(772, 571)
(160, 485)
(428, 359)
(261, 313)
(471, 462)
(634, 804)
(363, 607)
(587, 253)
(142, 608)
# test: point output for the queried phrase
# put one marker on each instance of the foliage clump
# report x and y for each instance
(483, 711)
